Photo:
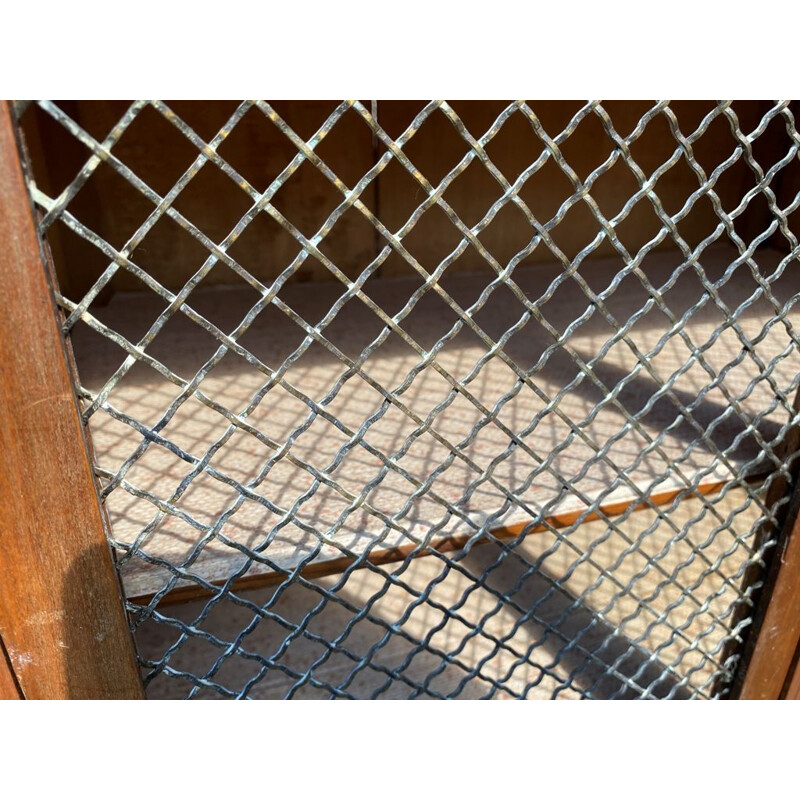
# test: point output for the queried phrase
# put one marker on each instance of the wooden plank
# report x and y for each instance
(61, 614)
(159, 153)
(780, 488)
(436, 148)
(449, 544)
(9, 688)
(778, 632)
(793, 688)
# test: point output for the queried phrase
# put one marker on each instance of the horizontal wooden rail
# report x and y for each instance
(443, 545)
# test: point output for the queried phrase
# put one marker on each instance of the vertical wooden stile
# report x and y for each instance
(62, 618)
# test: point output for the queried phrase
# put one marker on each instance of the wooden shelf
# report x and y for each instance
(183, 347)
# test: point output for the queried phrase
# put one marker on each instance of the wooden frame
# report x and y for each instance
(62, 618)
(9, 688)
(63, 629)
(770, 669)
(793, 685)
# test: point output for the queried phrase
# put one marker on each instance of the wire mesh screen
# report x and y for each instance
(548, 347)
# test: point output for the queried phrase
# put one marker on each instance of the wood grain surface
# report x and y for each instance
(770, 667)
(9, 688)
(61, 614)
(793, 688)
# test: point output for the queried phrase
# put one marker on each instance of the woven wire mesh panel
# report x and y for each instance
(550, 349)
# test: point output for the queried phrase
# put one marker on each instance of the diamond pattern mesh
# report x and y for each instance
(561, 365)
